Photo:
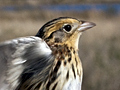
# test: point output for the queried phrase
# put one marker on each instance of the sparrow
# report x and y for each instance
(47, 61)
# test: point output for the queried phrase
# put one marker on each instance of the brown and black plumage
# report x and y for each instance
(47, 61)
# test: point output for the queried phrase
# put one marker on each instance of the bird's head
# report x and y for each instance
(64, 30)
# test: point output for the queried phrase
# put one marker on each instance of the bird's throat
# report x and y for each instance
(67, 65)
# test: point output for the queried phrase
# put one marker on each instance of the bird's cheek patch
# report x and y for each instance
(59, 36)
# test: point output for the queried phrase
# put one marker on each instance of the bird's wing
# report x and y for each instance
(23, 58)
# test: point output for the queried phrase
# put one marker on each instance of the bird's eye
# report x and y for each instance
(67, 28)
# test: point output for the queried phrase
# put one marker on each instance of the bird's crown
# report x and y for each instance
(63, 30)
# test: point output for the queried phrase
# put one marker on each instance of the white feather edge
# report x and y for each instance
(16, 65)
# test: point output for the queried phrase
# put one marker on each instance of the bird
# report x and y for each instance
(47, 61)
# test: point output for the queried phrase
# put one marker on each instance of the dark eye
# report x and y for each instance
(67, 27)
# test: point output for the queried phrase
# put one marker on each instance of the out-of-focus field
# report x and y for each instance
(99, 47)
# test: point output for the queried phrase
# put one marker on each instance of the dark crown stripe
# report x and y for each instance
(41, 30)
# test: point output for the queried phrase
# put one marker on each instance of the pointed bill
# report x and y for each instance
(86, 25)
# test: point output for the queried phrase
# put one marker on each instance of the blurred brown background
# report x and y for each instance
(99, 47)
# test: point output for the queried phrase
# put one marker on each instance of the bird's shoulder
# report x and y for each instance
(23, 44)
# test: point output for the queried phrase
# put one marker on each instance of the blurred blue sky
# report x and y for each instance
(64, 7)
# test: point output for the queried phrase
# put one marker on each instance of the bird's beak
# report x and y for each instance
(86, 25)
